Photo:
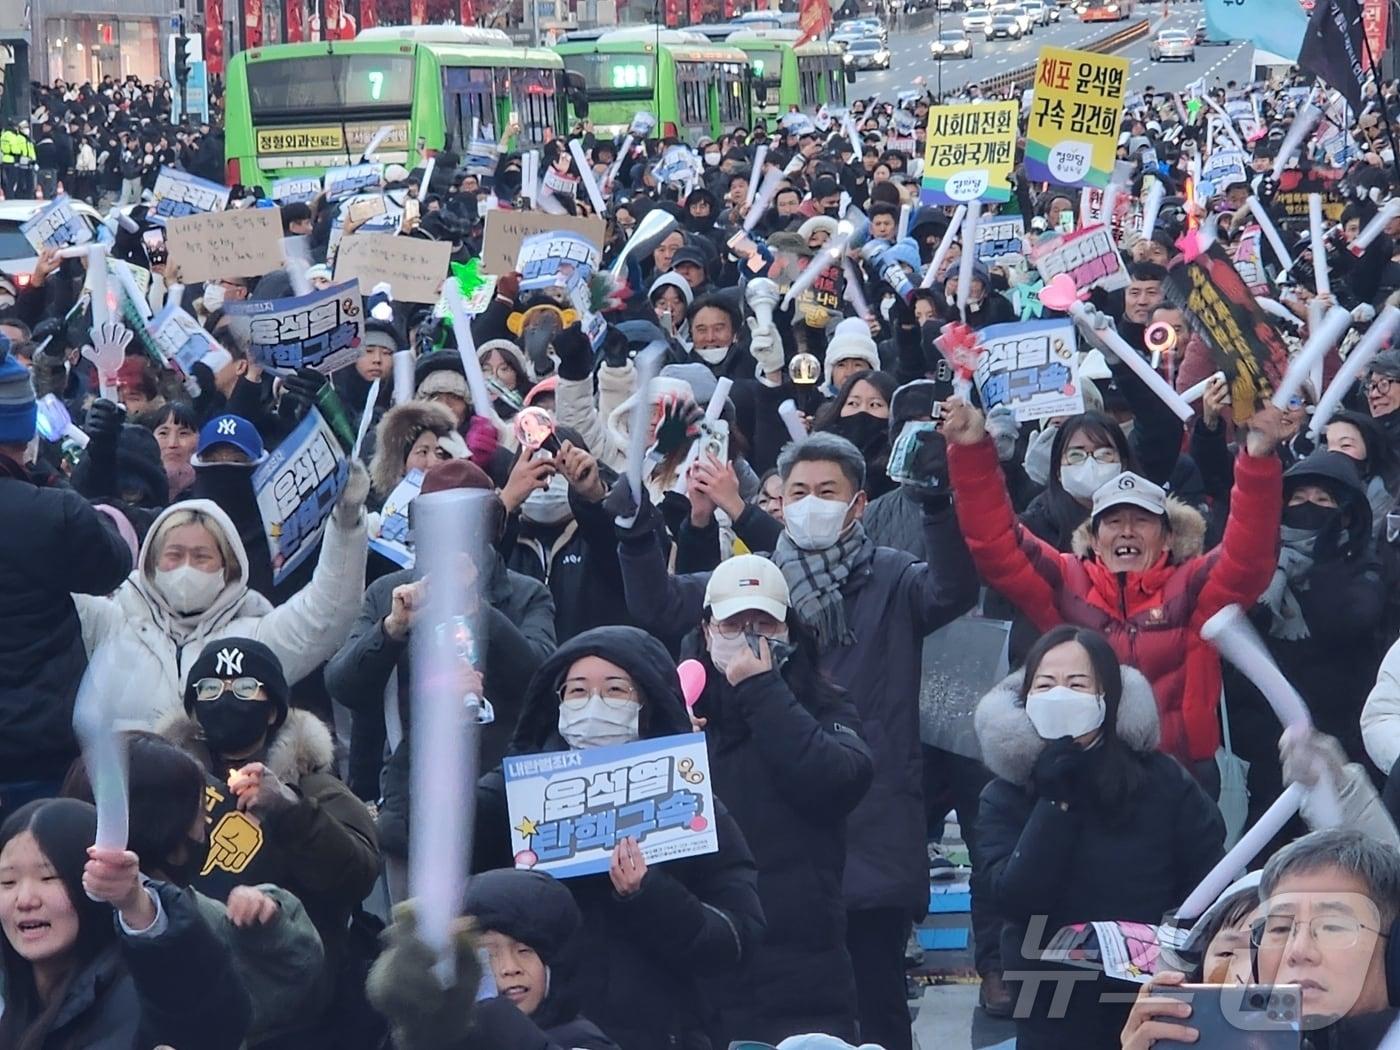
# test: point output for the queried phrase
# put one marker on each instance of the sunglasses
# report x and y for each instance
(207, 689)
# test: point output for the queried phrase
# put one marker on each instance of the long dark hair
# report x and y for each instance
(830, 412)
(1117, 770)
(64, 828)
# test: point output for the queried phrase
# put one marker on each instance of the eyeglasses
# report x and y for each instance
(207, 689)
(1075, 456)
(576, 694)
(1379, 385)
(762, 628)
(1329, 932)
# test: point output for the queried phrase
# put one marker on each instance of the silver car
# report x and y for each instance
(1172, 43)
(951, 43)
(976, 18)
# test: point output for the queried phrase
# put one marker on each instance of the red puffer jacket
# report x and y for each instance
(1152, 619)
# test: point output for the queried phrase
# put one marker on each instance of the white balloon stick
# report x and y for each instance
(403, 376)
(855, 294)
(585, 173)
(820, 263)
(1366, 348)
(128, 283)
(1283, 313)
(1234, 863)
(1324, 338)
(296, 260)
(466, 349)
(718, 398)
(760, 154)
(616, 165)
(968, 256)
(944, 246)
(1383, 218)
(1261, 216)
(1231, 633)
(792, 419)
(1151, 206)
(97, 283)
(647, 364)
(104, 748)
(905, 211)
(1318, 245)
(426, 177)
(374, 143)
(1193, 394)
(366, 418)
(1297, 132)
(1134, 360)
(764, 198)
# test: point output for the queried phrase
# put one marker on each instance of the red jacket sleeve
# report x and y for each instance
(1242, 566)
(1009, 558)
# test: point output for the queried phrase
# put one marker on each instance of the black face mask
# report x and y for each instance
(182, 873)
(1310, 517)
(231, 724)
(868, 433)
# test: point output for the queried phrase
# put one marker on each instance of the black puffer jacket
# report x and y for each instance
(1044, 864)
(693, 918)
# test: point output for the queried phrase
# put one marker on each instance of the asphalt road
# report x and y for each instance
(910, 57)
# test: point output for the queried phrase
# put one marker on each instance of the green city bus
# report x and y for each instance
(299, 109)
(794, 78)
(695, 87)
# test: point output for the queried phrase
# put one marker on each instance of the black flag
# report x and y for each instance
(1333, 48)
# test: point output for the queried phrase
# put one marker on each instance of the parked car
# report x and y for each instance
(951, 43)
(868, 53)
(17, 256)
(1174, 44)
(1004, 26)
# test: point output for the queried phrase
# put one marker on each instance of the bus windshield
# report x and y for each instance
(618, 77)
(328, 83)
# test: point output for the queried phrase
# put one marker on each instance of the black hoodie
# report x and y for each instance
(693, 918)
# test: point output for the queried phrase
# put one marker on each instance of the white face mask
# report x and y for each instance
(598, 723)
(1082, 480)
(187, 589)
(712, 160)
(813, 523)
(549, 505)
(1064, 712)
(213, 297)
(712, 355)
(723, 650)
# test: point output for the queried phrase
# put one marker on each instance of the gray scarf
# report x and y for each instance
(815, 579)
(1295, 561)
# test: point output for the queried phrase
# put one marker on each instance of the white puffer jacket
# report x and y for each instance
(157, 646)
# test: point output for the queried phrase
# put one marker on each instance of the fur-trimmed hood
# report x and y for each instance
(395, 435)
(1188, 534)
(1010, 744)
(300, 747)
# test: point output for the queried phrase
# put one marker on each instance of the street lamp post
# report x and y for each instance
(182, 67)
(941, 56)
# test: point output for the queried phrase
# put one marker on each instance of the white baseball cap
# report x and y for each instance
(1130, 489)
(744, 583)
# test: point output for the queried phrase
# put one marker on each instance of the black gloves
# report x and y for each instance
(299, 394)
(1059, 771)
(620, 504)
(103, 424)
(575, 353)
(615, 348)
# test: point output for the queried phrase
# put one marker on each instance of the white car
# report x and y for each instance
(1039, 11)
(976, 19)
(17, 255)
(951, 43)
(1172, 43)
(1016, 11)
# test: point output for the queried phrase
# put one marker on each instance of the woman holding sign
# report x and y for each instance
(651, 931)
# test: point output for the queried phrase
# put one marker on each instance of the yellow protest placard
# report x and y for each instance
(969, 153)
(1072, 137)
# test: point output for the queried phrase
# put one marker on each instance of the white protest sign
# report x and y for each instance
(181, 339)
(352, 179)
(569, 809)
(296, 489)
(412, 267)
(57, 226)
(296, 189)
(1088, 255)
(178, 193)
(999, 236)
(1033, 366)
(393, 539)
(246, 242)
(323, 329)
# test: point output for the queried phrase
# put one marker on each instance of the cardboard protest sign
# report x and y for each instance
(998, 237)
(1242, 338)
(1294, 187)
(296, 489)
(57, 226)
(242, 243)
(1032, 366)
(506, 230)
(182, 340)
(296, 189)
(414, 268)
(352, 179)
(178, 193)
(322, 329)
(1125, 215)
(1072, 138)
(1249, 261)
(969, 153)
(1088, 255)
(393, 540)
(569, 809)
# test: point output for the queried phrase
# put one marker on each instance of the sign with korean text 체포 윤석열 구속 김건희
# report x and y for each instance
(1072, 136)
(569, 809)
(323, 329)
(969, 153)
(246, 242)
(296, 488)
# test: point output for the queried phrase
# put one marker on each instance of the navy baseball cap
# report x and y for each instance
(234, 431)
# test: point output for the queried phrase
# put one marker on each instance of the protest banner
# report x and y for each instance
(322, 329)
(57, 226)
(1126, 214)
(296, 488)
(242, 243)
(178, 193)
(1072, 138)
(569, 809)
(414, 268)
(1249, 262)
(393, 540)
(1294, 187)
(507, 230)
(1242, 339)
(1088, 255)
(1032, 366)
(351, 179)
(998, 237)
(969, 153)
(296, 189)
(181, 340)
(565, 261)
(1125, 951)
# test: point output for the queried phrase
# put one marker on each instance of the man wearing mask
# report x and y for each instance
(870, 608)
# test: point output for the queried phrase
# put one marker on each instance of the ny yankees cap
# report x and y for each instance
(234, 431)
(231, 658)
